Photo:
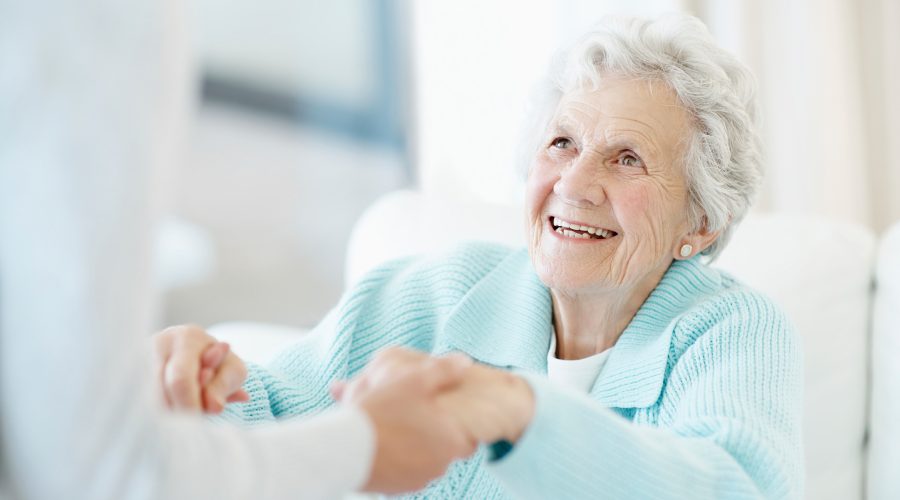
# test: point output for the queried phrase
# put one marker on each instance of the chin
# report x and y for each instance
(566, 277)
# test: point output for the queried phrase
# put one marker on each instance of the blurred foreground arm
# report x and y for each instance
(91, 100)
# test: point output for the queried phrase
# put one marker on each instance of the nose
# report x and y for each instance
(580, 184)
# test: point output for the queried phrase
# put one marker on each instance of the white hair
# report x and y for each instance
(722, 155)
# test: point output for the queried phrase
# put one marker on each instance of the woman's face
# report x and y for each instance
(611, 160)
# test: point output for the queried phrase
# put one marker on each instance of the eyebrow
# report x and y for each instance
(635, 140)
(621, 139)
(626, 143)
(568, 124)
(561, 127)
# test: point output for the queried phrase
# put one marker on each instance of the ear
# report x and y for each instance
(697, 241)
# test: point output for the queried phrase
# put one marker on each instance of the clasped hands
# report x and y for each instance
(426, 411)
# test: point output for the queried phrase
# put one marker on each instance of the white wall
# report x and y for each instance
(474, 65)
(278, 201)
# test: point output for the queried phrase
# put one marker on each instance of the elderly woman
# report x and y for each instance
(640, 371)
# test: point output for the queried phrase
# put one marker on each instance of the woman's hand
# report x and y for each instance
(198, 373)
(491, 404)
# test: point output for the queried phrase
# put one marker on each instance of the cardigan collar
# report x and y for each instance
(505, 320)
(635, 372)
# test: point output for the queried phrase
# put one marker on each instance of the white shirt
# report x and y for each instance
(86, 110)
(578, 374)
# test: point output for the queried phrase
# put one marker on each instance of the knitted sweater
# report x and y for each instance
(700, 397)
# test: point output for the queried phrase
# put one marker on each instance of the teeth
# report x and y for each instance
(573, 234)
(560, 224)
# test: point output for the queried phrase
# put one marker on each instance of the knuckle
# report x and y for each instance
(161, 341)
(234, 371)
(238, 363)
(437, 365)
(383, 355)
(376, 363)
(191, 336)
(168, 335)
(171, 330)
(231, 380)
(394, 353)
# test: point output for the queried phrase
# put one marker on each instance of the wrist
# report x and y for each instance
(521, 407)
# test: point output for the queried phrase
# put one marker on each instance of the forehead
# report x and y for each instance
(647, 110)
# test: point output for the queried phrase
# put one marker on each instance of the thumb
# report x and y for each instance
(229, 379)
(213, 356)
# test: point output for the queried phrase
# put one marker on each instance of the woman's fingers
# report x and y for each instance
(214, 355)
(239, 396)
(181, 352)
(211, 359)
(227, 381)
(181, 382)
(206, 374)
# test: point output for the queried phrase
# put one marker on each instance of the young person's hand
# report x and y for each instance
(197, 372)
(416, 438)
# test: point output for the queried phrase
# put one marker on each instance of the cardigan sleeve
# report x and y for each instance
(729, 425)
(375, 314)
(400, 303)
(295, 382)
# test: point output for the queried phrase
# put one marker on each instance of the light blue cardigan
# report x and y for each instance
(700, 397)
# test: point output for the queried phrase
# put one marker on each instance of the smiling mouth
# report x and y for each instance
(578, 231)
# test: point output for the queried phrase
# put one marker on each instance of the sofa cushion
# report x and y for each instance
(820, 272)
(406, 222)
(256, 342)
(884, 437)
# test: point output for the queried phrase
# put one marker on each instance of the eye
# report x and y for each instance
(629, 159)
(561, 143)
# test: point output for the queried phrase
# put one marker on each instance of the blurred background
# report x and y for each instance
(300, 114)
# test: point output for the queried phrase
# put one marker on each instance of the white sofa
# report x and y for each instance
(822, 272)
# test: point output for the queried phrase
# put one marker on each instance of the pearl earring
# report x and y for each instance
(686, 250)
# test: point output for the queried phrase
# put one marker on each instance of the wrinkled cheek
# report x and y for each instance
(538, 186)
(640, 224)
(538, 189)
(633, 204)
(651, 240)
(533, 235)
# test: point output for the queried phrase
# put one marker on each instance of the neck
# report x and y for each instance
(591, 322)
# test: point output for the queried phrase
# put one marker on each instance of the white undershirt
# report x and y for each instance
(579, 374)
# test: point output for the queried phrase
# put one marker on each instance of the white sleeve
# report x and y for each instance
(322, 457)
(90, 95)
